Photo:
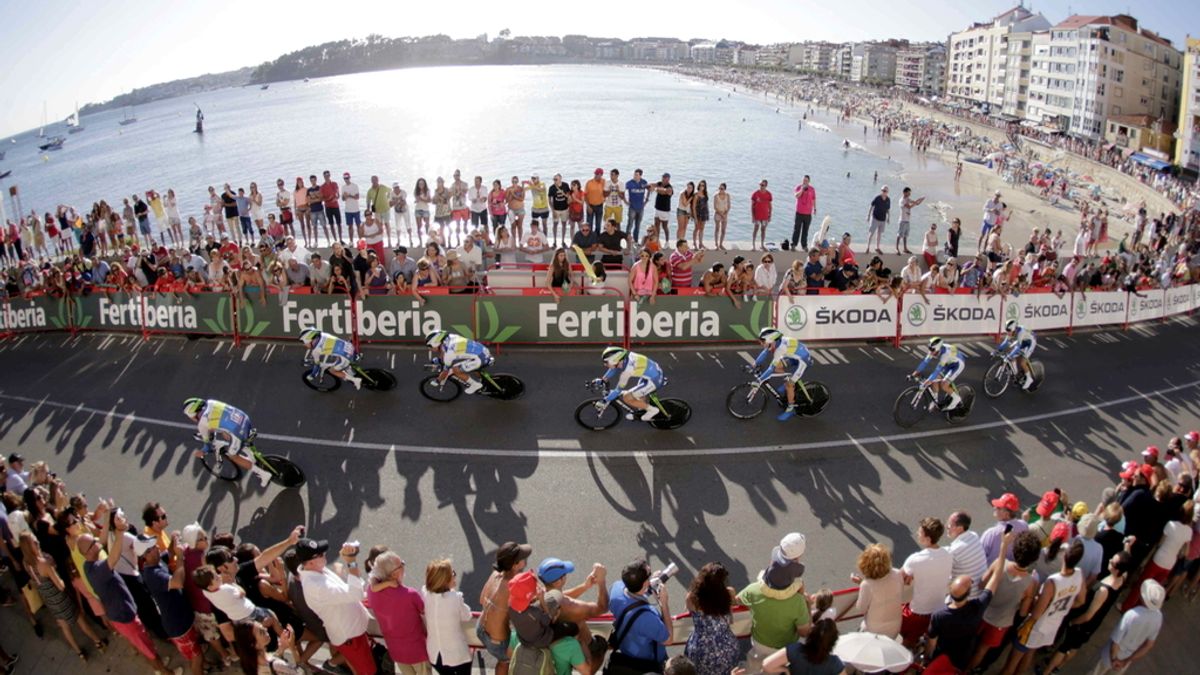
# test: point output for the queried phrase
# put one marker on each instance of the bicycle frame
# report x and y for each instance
(782, 398)
(604, 390)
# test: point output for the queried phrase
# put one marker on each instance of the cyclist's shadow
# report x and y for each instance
(285, 510)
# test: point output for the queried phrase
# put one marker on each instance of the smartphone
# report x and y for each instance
(1007, 528)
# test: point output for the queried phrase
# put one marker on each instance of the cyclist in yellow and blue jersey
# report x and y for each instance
(640, 374)
(458, 356)
(216, 418)
(949, 365)
(783, 355)
(1022, 342)
(330, 353)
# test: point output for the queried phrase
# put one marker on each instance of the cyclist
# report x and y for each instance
(458, 356)
(646, 376)
(214, 417)
(331, 353)
(783, 355)
(1023, 342)
(949, 366)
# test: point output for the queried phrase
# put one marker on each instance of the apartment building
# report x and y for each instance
(872, 62)
(1187, 144)
(977, 59)
(814, 57)
(922, 68)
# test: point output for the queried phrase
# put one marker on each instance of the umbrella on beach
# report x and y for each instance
(872, 652)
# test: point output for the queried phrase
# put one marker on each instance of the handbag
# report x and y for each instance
(623, 664)
(32, 597)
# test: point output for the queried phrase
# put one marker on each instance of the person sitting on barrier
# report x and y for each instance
(643, 278)
(458, 356)
(646, 374)
(214, 417)
(950, 365)
(558, 275)
(1022, 342)
(330, 353)
(782, 355)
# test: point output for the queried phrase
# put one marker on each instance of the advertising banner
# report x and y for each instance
(1178, 300)
(210, 313)
(538, 318)
(108, 311)
(27, 315)
(836, 317)
(1098, 308)
(698, 318)
(1148, 306)
(1039, 311)
(950, 315)
(403, 318)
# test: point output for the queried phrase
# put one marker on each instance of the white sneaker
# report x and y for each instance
(357, 382)
(1028, 382)
(955, 401)
(472, 386)
(650, 413)
(264, 476)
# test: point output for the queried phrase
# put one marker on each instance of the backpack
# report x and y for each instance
(531, 661)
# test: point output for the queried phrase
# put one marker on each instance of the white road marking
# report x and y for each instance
(848, 441)
(249, 348)
(559, 444)
(885, 354)
(969, 352)
(819, 357)
(837, 353)
(746, 357)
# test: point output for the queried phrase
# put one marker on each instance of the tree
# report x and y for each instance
(505, 33)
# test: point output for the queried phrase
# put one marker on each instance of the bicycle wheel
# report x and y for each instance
(589, 417)
(323, 381)
(1039, 376)
(997, 379)
(818, 397)
(506, 387)
(678, 413)
(377, 379)
(909, 408)
(746, 401)
(959, 414)
(442, 392)
(225, 470)
(284, 472)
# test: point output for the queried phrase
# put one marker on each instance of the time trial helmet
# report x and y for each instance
(769, 334)
(934, 343)
(309, 335)
(1011, 326)
(614, 355)
(436, 338)
(192, 407)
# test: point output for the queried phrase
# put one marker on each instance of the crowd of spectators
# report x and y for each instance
(1025, 587)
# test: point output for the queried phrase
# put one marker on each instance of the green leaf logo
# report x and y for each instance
(494, 331)
(756, 322)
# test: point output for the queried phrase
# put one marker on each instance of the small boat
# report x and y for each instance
(199, 121)
(306, 79)
(42, 130)
(128, 118)
(264, 87)
(73, 125)
(5, 174)
(54, 143)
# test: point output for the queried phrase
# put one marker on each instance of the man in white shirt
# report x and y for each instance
(478, 197)
(350, 198)
(928, 572)
(17, 478)
(338, 599)
(534, 244)
(293, 250)
(1134, 636)
(966, 551)
(991, 212)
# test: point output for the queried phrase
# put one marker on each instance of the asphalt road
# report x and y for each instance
(458, 479)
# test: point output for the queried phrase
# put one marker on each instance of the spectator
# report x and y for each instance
(400, 612)
(566, 653)
(263, 577)
(760, 214)
(1101, 597)
(1005, 509)
(251, 641)
(928, 572)
(445, 613)
(16, 478)
(1058, 594)
(814, 655)
(553, 574)
(778, 608)
(612, 243)
(681, 264)
(586, 239)
(337, 599)
(953, 627)
(641, 628)
(679, 664)
(878, 214)
(814, 272)
(1013, 596)
(532, 625)
(1093, 552)
(402, 265)
(1135, 635)
(166, 587)
(50, 586)
(966, 551)
(878, 591)
(1176, 536)
(765, 275)
(712, 646)
(806, 206)
(314, 634)
(492, 629)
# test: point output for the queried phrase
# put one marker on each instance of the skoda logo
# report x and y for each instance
(1013, 311)
(1080, 309)
(917, 314)
(796, 318)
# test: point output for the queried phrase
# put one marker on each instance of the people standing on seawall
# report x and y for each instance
(699, 214)
(662, 205)
(330, 196)
(477, 196)
(594, 193)
(635, 196)
(683, 211)
(539, 211)
(806, 208)
(350, 196)
(760, 213)
(256, 204)
(878, 215)
(283, 202)
(614, 197)
(721, 204)
(460, 214)
(992, 210)
(316, 211)
(515, 196)
(243, 211)
(300, 201)
(560, 206)
(906, 206)
(421, 201)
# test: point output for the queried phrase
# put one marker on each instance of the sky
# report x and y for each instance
(59, 52)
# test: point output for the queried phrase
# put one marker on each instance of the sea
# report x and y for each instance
(491, 121)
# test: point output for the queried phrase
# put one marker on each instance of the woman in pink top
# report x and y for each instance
(643, 278)
(400, 612)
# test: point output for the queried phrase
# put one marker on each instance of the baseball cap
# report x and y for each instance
(599, 171)
(553, 602)
(1151, 451)
(792, 545)
(1061, 531)
(1147, 471)
(1153, 594)
(16, 457)
(1007, 501)
(781, 572)
(1048, 504)
(142, 544)
(400, 249)
(521, 591)
(1193, 435)
(191, 534)
(510, 553)
(310, 549)
(1079, 509)
(1128, 470)
(361, 245)
(553, 569)
(346, 174)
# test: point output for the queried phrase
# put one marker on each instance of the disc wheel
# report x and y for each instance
(746, 401)
(1039, 376)
(378, 379)
(507, 387)
(678, 412)
(442, 392)
(226, 470)
(284, 472)
(323, 381)
(997, 379)
(589, 417)
(960, 414)
(818, 398)
(909, 408)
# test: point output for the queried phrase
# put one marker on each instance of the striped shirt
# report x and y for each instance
(681, 277)
(968, 560)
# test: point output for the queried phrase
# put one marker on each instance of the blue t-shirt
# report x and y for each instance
(637, 193)
(646, 638)
(243, 206)
(798, 664)
(112, 591)
(176, 611)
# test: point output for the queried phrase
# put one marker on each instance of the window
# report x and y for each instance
(1118, 75)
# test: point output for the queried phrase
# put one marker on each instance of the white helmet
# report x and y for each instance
(1011, 326)
(436, 338)
(192, 407)
(769, 334)
(309, 335)
(934, 343)
(614, 355)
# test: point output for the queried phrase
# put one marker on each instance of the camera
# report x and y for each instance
(657, 581)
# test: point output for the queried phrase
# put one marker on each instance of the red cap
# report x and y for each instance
(1061, 531)
(362, 244)
(1129, 470)
(599, 172)
(521, 591)
(1048, 504)
(1007, 501)
(1147, 471)
(1193, 436)
(1151, 451)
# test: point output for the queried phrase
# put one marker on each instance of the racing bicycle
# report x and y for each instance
(1005, 371)
(375, 379)
(500, 386)
(596, 415)
(913, 403)
(284, 472)
(748, 400)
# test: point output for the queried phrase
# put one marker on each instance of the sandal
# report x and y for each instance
(82, 655)
(100, 645)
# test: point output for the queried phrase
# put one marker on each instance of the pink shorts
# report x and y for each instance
(137, 636)
(188, 644)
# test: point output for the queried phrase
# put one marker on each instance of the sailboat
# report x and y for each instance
(73, 125)
(42, 131)
(55, 143)
(129, 118)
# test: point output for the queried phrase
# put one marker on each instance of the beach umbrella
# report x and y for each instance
(872, 652)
